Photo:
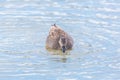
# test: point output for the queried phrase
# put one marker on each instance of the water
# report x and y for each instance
(94, 25)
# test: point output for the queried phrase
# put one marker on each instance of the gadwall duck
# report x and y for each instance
(58, 39)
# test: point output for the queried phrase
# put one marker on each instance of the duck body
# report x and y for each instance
(58, 39)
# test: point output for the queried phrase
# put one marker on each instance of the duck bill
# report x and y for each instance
(63, 49)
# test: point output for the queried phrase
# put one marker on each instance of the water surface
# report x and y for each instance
(94, 25)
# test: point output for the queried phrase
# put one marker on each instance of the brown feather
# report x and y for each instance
(55, 33)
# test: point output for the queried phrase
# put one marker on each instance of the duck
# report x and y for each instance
(58, 39)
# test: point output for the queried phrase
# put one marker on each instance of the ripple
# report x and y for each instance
(98, 22)
(94, 25)
(107, 16)
(108, 9)
(115, 66)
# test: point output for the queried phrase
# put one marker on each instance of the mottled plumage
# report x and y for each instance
(58, 39)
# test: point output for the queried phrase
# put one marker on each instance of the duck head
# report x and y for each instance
(63, 43)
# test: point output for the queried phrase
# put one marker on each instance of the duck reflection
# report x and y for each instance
(58, 56)
(58, 52)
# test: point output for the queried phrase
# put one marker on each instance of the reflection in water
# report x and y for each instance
(58, 52)
(62, 59)
(58, 55)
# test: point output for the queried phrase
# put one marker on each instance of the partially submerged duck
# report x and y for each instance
(58, 39)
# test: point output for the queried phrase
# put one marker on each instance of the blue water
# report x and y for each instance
(93, 24)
